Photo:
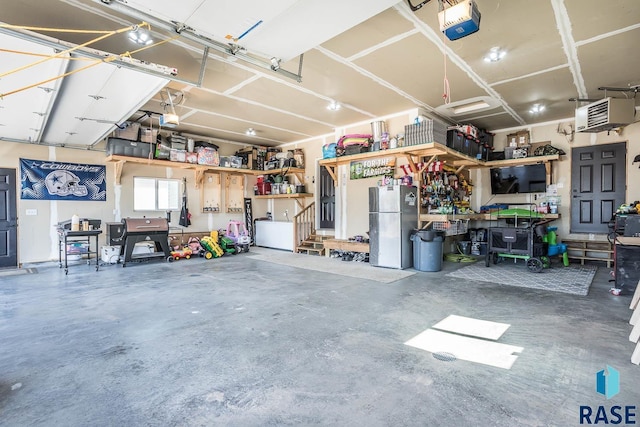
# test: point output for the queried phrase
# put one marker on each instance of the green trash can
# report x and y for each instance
(427, 250)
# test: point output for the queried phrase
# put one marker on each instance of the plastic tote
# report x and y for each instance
(427, 250)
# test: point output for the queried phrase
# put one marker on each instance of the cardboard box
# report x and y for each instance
(518, 139)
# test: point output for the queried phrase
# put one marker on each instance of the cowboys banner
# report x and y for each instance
(46, 180)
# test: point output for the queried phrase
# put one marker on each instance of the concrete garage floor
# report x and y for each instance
(237, 341)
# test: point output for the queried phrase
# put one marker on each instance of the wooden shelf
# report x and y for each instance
(628, 240)
(298, 197)
(586, 250)
(297, 172)
(178, 165)
(475, 217)
(412, 153)
(443, 152)
(520, 162)
(345, 245)
(199, 169)
(285, 196)
(430, 149)
(281, 171)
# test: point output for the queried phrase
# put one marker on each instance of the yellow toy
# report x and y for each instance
(211, 247)
(185, 252)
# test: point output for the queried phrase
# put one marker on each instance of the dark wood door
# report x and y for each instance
(598, 176)
(327, 200)
(8, 219)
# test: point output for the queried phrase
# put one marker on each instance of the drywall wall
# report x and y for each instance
(37, 238)
(561, 172)
(351, 199)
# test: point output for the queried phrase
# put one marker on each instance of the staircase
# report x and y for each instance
(312, 245)
(306, 240)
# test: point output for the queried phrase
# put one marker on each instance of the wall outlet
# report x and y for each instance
(31, 212)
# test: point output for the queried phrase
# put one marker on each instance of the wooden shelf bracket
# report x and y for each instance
(118, 170)
(332, 171)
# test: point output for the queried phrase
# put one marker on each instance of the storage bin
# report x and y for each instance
(148, 135)
(178, 155)
(508, 152)
(163, 152)
(455, 140)
(236, 162)
(208, 156)
(123, 147)
(192, 158)
(471, 147)
(485, 138)
(451, 228)
(128, 130)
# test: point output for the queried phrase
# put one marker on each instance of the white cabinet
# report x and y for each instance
(275, 234)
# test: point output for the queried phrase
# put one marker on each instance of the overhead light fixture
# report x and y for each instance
(495, 54)
(250, 132)
(472, 106)
(536, 109)
(334, 106)
(468, 106)
(140, 36)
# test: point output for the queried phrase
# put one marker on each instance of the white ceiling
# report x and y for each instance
(277, 28)
(393, 61)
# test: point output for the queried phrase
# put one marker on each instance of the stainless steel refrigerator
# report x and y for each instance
(393, 217)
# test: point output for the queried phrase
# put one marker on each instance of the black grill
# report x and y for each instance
(146, 230)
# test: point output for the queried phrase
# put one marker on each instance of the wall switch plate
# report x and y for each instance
(31, 212)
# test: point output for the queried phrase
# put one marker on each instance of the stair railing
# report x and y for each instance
(304, 225)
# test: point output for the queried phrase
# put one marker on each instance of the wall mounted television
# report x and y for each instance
(519, 179)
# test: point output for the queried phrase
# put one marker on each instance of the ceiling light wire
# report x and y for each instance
(107, 59)
(40, 55)
(64, 52)
(446, 95)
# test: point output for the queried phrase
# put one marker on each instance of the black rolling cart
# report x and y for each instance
(521, 237)
(66, 237)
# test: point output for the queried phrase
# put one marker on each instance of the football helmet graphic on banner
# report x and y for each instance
(64, 183)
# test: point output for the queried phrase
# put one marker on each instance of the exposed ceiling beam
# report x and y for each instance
(569, 45)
